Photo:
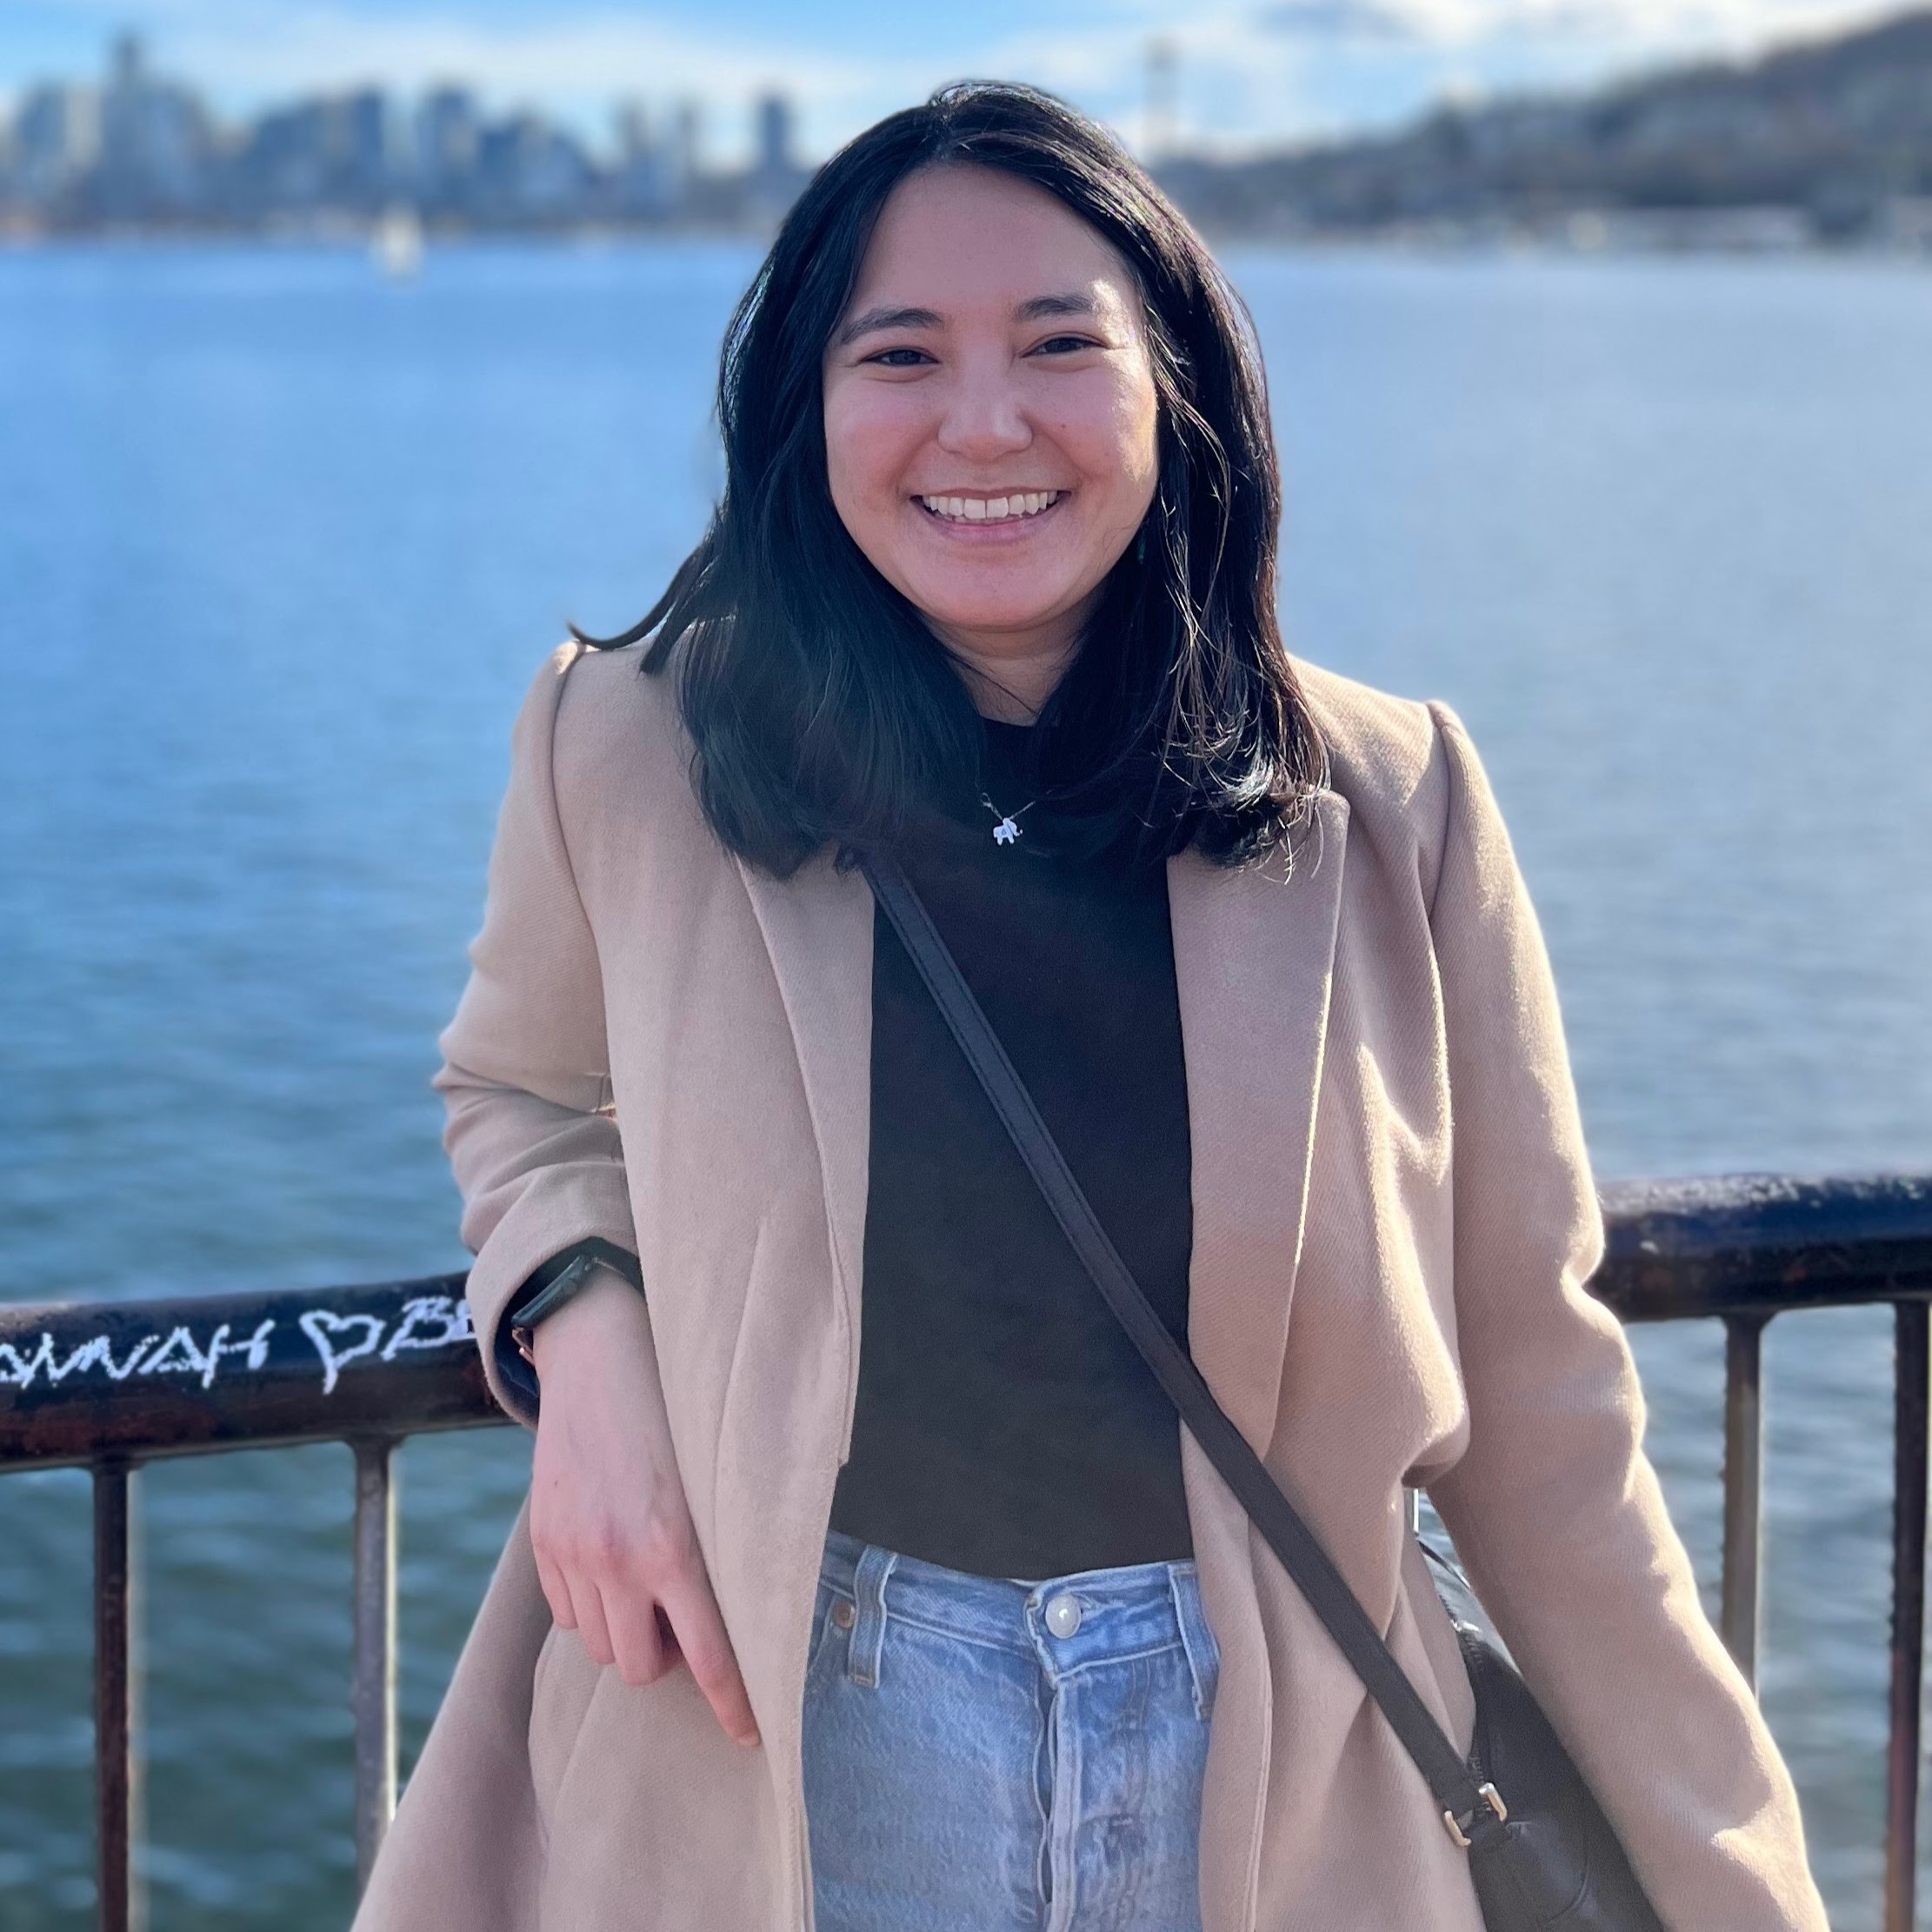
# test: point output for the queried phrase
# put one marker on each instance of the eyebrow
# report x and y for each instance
(1030, 311)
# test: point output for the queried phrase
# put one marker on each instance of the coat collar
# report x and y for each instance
(1254, 960)
(1254, 952)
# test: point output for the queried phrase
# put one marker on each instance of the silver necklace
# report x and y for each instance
(1006, 830)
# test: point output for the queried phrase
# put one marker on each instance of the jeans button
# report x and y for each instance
(843, 1615)
(1063, 1613)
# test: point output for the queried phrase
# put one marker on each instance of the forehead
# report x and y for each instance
(970, 243)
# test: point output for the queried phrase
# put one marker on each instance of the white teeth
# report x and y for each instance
(991, 509)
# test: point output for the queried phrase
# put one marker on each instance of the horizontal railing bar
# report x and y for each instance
(182, 1376)
(189, 1375)
(1759, 1244)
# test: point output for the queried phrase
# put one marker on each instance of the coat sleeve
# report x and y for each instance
(530, 1127)
(1555, 1507)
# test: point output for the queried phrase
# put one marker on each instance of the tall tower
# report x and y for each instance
(774, 137)
(1162, 118)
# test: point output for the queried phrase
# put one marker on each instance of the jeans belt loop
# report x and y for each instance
(875, 1565)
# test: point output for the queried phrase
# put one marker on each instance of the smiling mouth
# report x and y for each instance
(1015, 509)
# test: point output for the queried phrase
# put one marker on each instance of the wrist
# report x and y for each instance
(558, 1281)
(605, 1307)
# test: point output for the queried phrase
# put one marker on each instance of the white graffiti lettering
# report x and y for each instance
(18, 1371)
(448, 1318)
(427, 1322)
(256, 1347)
(178, 1356)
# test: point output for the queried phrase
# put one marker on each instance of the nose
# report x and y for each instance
(983, 419)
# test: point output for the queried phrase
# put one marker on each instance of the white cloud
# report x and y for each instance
(1739, 24)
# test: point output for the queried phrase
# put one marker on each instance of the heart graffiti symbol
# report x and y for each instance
(322, 1328)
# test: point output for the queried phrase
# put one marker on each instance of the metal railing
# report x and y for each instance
(108, 1385)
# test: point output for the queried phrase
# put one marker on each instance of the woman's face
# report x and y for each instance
(990, 415)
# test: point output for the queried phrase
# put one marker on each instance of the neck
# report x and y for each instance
(1011, 677)
(1010, 689)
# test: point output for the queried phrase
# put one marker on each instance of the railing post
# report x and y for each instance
(121, 1901)
(1744, 1487)
(374, 1685)
(1909, 1398)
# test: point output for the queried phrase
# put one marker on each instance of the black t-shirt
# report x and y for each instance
(1005, 1424)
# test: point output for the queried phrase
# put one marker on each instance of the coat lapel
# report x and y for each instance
(817, 927)
(1253, 957)
(1254, 954)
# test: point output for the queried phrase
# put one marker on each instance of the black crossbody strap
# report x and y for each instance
(1304, 1559)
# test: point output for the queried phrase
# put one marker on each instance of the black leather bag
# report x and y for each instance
(1541, 1854)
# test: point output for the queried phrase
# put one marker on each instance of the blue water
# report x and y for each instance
(282, 543)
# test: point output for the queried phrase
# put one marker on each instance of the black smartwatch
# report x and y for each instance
(560, 1277)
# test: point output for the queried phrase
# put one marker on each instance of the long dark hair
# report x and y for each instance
(821, 704)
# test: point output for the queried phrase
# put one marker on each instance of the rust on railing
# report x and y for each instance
(1901, 1759)
(117, 1689)
(111, 1385)
(1744, 1557)
(374, 1696)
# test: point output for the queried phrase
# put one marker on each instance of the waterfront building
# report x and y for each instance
(56, 136)
(157, 148)
(448, 134)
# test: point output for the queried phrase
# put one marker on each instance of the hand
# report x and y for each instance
(616, 1550)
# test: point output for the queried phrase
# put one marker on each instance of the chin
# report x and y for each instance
(1014, 611)
(984, 622)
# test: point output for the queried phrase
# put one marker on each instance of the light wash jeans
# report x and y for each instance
(986, 1756)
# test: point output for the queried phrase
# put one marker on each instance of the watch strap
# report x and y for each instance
(561, 1277)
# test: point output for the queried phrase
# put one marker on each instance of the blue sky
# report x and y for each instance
(1249, 72)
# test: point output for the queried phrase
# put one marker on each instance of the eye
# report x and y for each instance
(881, 358)
(1067, 343)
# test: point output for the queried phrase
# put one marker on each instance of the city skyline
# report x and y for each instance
(143, 146)
(1824, 140)
(1242, 76)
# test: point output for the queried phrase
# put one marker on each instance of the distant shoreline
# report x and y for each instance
(1758, 234)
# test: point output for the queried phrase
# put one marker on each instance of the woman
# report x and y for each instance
(960, 1631)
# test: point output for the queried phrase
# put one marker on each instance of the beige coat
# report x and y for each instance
(1393, 1212)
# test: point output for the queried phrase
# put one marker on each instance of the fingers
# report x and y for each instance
(707, 1650)
(631, 1618)
(622, 1624)
(587, 1601)
(556, 1592)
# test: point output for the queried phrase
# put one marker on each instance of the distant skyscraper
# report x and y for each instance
(371, 159)
(155, 139)
(774, 145)
(1163, 117)
(446, 135)
(56, 139)
(528, 170)
(687, 140)
(643, 184)
(288, 160)
(774, 177)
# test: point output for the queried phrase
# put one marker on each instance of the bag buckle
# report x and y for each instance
(1490, 1796)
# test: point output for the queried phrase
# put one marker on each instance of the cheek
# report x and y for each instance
(1114, 440)
(1137, 437)
(869, 440)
